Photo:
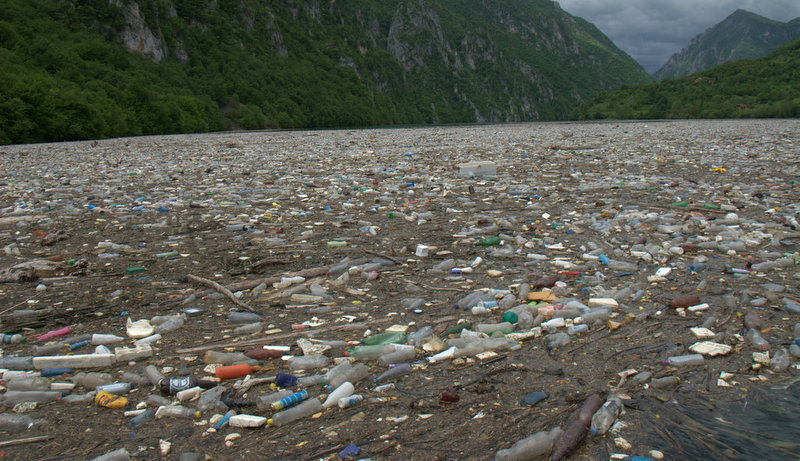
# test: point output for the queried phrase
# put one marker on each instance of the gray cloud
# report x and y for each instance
(652, 30)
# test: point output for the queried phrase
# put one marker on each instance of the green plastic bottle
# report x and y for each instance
(489, 241)
(385, 338)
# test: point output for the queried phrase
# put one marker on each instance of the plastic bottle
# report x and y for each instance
(355, 374)
(265, 401)
(115, 388)
(780, 361)
(142, 418)
(235, 371)
(420, 335)
(385, 338)
(756, 341)
(248, 329)
(372, 352)
(16, 363)
(13, 339)
(307, 408)
(394, 372)
(155, 400)
(351, 400)
(594, 315)
(556, 340)
(685, 360)
(606, 415)
(531, 447)
(264, 354)
(35, 383)
(170, 324)
(289, 401)
(92, 379)
(577, 431)
(11, 422)
(176, 411)
(105, 339)
(128, 354)
(244, 317)
(401, 356)
(210, 400)
(116, 455)
(580, 329)
(307, 362)
(344, 390)
(227, 358)
(147, 340)
(224, 420)
(665, 383)
(153, 375)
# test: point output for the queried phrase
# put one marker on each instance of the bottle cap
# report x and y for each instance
(593, 431)
(269, 422)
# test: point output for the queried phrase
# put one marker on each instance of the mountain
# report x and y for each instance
(85, 69)
(741, 35)
(747, 88)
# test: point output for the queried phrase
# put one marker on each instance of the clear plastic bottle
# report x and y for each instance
(92, 379)
(685, 360)
(11, 398)
(142, 418)
(11, 422)
(170, 324)
(153, 375)
(556, 340)
(16, 363)
(307, 362)
(355, 374)
(401, 356)
(606, 415)
(244, 317)
(227, 358)
(394, 372)
(780, 361)
(35, 383)
(531, 447)
(116, 455)
(176, 411)
(307, 408)
(416, 338)
(757, 341)
(98, 339)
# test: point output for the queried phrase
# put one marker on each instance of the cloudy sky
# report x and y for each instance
(652, 30)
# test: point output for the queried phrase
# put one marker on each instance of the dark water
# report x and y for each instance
(764, 424)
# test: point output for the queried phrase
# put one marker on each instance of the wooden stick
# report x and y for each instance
(397, 261)
(40, 438)
(222, 290)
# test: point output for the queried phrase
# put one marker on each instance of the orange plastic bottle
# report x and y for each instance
(235, 371)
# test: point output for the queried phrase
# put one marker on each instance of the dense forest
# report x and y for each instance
(104, 68)
(749, 88)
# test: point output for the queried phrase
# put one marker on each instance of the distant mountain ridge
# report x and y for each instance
(742, 35)
(86, 69)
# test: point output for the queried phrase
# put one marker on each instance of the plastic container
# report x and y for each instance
(105, 339)
(227, 358)
(290, 400)
(756, 341)
(153, 375)
(92, 379)
(401, 356)
(34, 383)
(244, 317)
(265, 401)
(351, 400)
(13, 339)
(235, 371)
(247, 421)
(129, 354)
(394, 372)
(685, 360)
(307, 362)
(116, 455)
(142, 418)
(531, 447)
(176, 411)
(606, 415)
(307, 408)
(344, 390)
(11, 422)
